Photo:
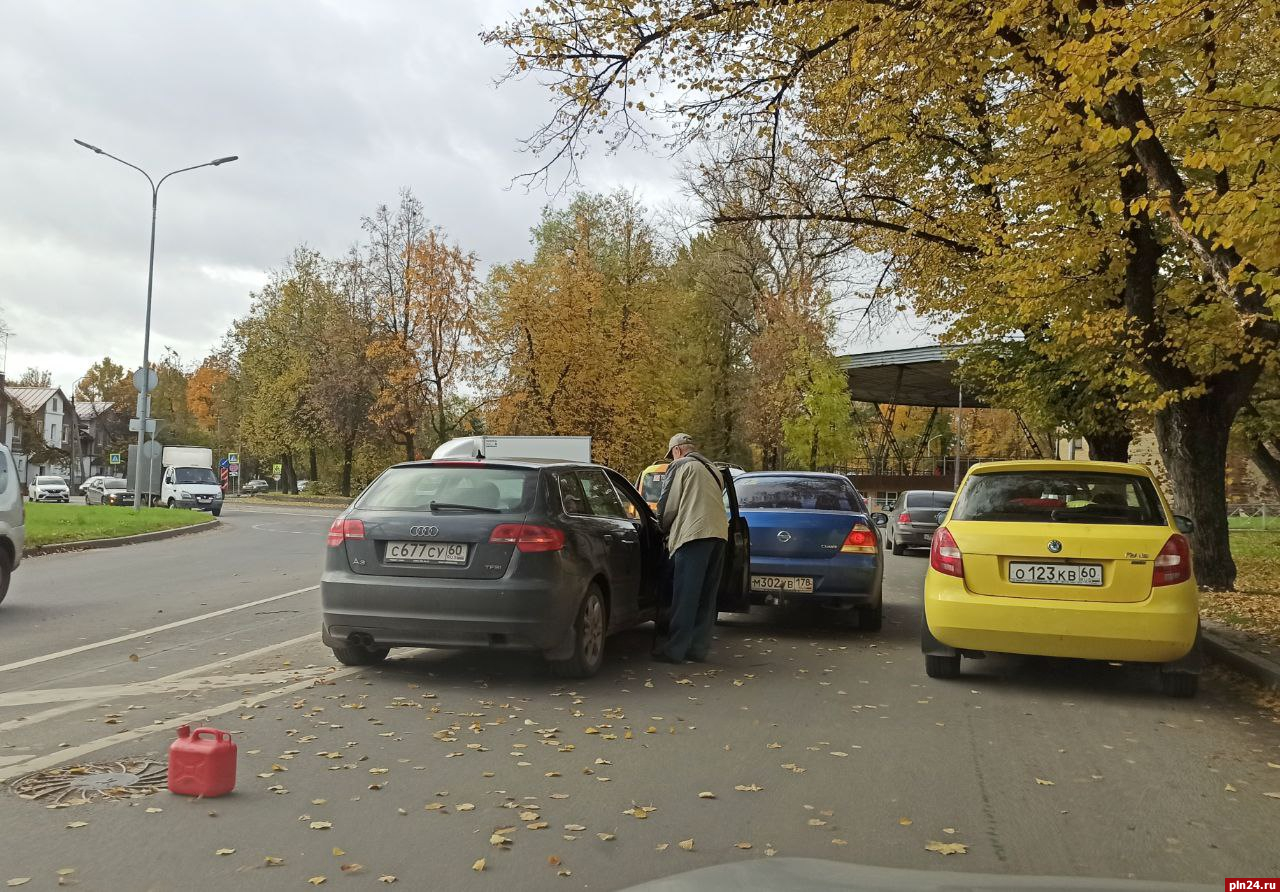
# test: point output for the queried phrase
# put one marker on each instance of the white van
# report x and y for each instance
(574, 449)
(12, 519)
(189, 479)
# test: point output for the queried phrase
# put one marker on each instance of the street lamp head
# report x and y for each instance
(81, 142)
(224, 160)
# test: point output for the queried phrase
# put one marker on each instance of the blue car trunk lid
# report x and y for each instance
(788, 532)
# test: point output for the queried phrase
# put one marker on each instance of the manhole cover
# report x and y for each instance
(126, 779)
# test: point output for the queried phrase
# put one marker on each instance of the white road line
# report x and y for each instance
(55, 712)
(44, 658)
(69, 754)
(98, 693)
(72, 753)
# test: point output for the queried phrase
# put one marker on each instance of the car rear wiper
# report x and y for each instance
(454, 506)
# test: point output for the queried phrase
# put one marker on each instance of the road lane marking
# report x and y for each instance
(265, 527)
(72, 753)
(98, 693)
(55, 712)
(44, 658)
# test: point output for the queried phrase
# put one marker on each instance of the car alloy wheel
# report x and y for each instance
(593, 630)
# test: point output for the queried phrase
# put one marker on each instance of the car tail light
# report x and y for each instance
(904, 517)
(1173, 563)
(344, 529)
(528, 537)
(945, 555)
(860, 540)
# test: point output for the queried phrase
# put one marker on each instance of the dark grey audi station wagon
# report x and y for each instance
(520, 554)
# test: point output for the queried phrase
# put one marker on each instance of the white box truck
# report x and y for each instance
(189, 479)
(577, 449)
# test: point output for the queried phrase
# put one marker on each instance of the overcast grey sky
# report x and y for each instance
(332, 108)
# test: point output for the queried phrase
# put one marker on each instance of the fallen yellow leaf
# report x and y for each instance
(321, 825)
(337, 852)
(947, 848)
(748, 788)
(1044, 783)
(744, 845)
(686, 844)
(839, 842)
(574, 827)
(498, 839)
(18, 881)
(351, 868)
(905, 822)
(706, 794)
(272, 861)
(317, 881)
(387, 878)
(75, 825)
(225, 852)
(478, 865)
(605, 837)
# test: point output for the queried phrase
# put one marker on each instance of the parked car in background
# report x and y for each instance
(813, 543)
(649, 483)
(255, 486)
(49, 489)
(109, 491)
(530, 554)
(303, 484)
(1078, 559)
(89, 482)
(914, 517)
(12, 520)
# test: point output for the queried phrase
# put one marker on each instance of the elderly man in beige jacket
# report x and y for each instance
(691, 512)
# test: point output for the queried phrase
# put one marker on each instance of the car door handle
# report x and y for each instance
(629, 537)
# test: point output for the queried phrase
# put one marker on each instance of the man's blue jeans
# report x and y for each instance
(695, 583)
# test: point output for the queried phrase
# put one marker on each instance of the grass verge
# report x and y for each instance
(1255, 605)
(58, 524)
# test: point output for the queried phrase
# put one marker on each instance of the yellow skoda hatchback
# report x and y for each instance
(1063, 559)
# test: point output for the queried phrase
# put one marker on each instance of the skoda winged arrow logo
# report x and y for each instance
(1055, 546)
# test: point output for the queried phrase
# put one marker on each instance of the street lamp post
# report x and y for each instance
(145, 405)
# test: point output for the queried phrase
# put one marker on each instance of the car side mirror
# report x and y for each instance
(939, 517)
(1183, 523)
(880, 519)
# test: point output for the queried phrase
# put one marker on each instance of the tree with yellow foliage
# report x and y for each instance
(1104, 173)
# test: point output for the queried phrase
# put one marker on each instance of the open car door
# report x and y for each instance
(735, 579)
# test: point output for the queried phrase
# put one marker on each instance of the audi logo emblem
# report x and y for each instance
(424, 531)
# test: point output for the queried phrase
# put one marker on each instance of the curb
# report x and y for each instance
(1221, 645)
(138, 539)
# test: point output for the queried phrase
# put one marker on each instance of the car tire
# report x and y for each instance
(939, 666)
(169, 504)
(353, 655)
(1179, 684)
(898, 548)
(216, 512)
(5, 573)
(870, 619)
(589, 629)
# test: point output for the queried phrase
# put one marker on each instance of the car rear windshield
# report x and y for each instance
(114, 483)
(651, 485)
(929, 499)
(811, 493)
(1060, 497)
(509, 490)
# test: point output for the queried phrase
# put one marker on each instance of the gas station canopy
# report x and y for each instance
(917, 376)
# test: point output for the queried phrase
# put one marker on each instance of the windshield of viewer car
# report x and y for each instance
(1061, 497)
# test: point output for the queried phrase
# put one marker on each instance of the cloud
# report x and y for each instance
(332, 107)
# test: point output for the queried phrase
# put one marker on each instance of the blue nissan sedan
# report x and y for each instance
(813, 543)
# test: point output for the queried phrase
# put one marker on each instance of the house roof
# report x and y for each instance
(32, 399)
(87, 410)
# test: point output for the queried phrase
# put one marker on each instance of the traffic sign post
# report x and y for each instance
(233, 458)
(115, 458)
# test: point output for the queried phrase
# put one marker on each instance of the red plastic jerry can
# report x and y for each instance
(202, 763)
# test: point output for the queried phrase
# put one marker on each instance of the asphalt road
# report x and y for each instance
(813, 741)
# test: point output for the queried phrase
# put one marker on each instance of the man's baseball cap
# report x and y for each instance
(678, 440)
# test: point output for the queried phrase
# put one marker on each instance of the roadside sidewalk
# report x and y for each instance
(1248, 653)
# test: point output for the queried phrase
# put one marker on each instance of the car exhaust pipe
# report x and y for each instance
(360, 639)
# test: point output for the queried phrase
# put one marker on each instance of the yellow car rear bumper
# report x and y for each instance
(1160, 629)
